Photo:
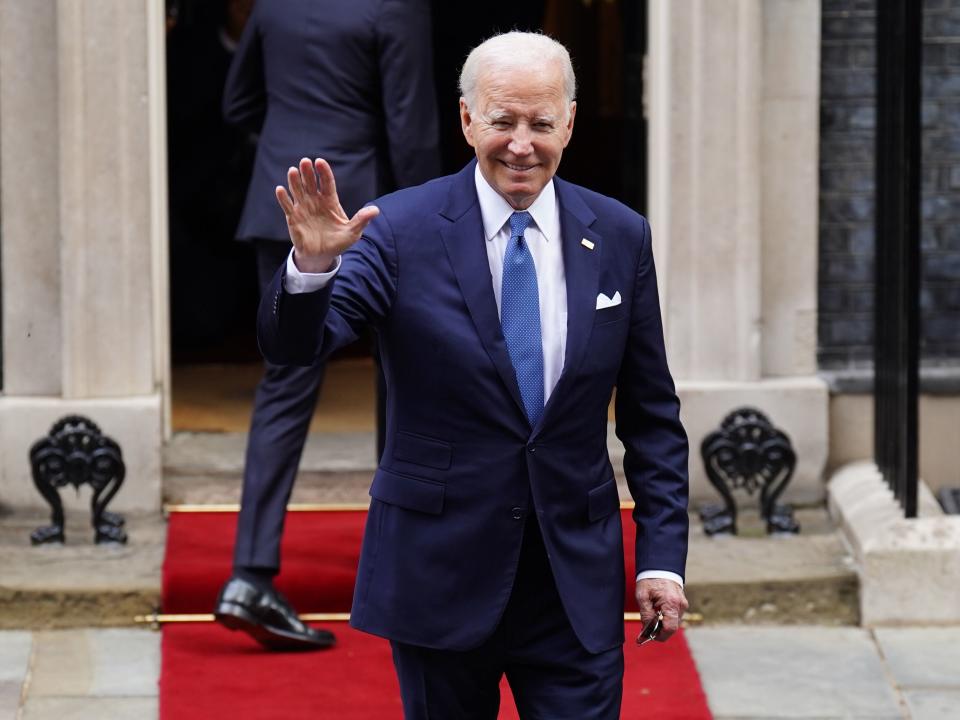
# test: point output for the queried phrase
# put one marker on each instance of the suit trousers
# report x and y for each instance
(282, 410)
(551, 675)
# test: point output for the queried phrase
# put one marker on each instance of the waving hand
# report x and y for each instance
(319, 228)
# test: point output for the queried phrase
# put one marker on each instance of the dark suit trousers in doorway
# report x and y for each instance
(282, 409)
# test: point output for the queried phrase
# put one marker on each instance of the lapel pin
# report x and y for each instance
(587, 244)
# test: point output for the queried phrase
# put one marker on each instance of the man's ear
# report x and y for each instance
(569, 128)
(466, 122)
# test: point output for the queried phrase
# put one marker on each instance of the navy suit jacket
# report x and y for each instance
(350, 81)
(462, 466)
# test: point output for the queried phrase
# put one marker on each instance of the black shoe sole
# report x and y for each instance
(235, 617)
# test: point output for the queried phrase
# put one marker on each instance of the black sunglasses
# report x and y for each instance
(651, 629)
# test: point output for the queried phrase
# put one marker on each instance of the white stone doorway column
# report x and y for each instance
(733, 107)
(83, 233)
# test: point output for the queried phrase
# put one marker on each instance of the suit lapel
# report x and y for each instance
(465, 245)
(581, 267)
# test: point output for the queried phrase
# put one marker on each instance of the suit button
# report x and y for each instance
(517, 513)
(531, 448)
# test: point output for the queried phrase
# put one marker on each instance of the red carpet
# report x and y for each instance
(319, 559)
(208, 672)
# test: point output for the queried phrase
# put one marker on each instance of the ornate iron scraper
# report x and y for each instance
(76, 453)
(748, 452)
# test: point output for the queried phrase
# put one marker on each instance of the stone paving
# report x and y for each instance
(926, 665)
(85, 674)
(748, 673)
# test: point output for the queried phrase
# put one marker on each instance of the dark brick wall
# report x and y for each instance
(847, 123)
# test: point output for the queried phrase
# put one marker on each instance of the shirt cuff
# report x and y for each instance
(296, 282)
(660, 575)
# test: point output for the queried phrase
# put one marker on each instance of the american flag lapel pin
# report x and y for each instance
(587, 244)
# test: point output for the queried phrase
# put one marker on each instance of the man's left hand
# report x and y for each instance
(666, 596)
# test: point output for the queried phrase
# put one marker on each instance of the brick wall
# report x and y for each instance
(847, 124)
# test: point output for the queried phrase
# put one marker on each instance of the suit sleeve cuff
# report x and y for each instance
(660, 575)
(296, 282)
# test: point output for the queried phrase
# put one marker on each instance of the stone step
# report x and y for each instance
(798, 580)
(78, 584)
(207, 468)
(222, 454)
(752, 578)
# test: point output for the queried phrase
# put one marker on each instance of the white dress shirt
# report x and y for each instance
(544, 241)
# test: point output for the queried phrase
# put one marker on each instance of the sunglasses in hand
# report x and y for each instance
(651, 629)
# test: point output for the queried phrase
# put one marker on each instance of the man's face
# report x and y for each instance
(519, 128)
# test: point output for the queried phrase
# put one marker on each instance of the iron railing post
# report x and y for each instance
(896, 343)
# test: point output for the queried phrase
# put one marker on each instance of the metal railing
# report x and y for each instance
(896, 341)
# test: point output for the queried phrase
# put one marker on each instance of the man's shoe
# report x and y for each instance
(267, 617)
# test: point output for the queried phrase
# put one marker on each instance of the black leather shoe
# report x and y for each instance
(267, 617)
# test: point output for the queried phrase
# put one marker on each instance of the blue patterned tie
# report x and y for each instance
(520, 317)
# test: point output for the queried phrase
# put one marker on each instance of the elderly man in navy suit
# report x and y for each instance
(351, 80)
(509, 304)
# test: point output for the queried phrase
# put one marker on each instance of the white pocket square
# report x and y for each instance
(604, 302)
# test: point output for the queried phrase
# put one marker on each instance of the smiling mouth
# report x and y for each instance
(518, 168)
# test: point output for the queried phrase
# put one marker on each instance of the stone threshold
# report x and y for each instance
(78, 584)
(909, 568)
(751, 579)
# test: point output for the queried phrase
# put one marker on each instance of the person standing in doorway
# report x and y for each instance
(205, 202)
(352, 81)
(509, 303)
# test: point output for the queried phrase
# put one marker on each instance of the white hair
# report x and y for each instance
(515, 49)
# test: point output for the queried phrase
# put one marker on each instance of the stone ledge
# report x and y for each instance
(943, 380)
(909, 568)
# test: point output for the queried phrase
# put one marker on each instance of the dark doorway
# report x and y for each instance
(213, 289)
(607, 41)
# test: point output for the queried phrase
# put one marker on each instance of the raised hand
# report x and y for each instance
(319, 228)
